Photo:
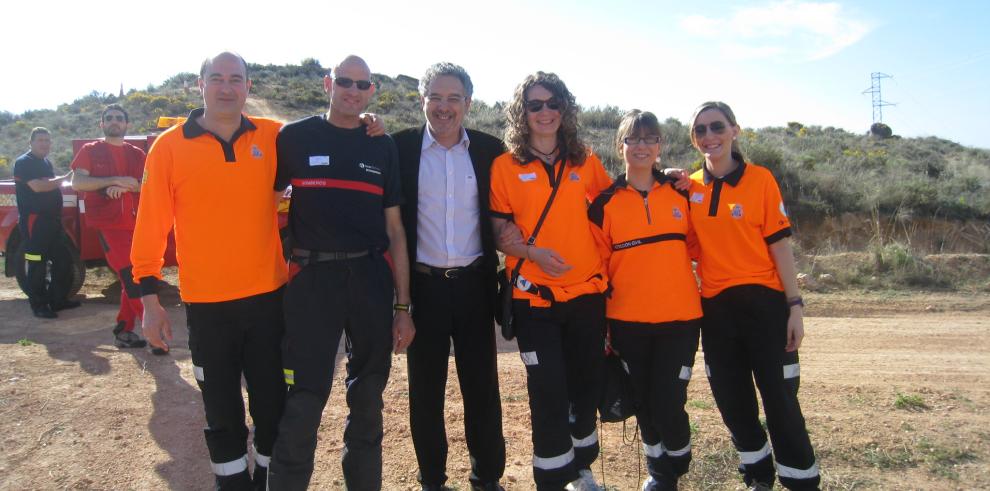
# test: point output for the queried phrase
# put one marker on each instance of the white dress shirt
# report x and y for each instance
(448, 219)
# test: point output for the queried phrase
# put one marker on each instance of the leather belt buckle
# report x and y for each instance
(452, 273)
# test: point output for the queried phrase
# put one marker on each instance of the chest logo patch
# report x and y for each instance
(574, 176)
(697, 197)
(737, 210)
(370, 168)
(677, 213)
(316, 160)
(256, 152)
(527, 177)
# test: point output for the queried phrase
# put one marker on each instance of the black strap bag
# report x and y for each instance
(503, 314)
(618, 396)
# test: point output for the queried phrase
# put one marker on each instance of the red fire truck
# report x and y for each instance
(81, 243)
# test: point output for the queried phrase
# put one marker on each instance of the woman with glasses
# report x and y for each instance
(753, 324)
(558, 305)
(643, 229)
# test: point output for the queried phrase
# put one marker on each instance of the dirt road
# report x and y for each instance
(895, 388)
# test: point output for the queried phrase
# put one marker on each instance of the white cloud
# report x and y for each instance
(788, 29)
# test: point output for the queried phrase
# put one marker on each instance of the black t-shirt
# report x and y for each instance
(342, 181)
(26, 168)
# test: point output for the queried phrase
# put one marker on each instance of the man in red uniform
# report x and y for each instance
(108, 174)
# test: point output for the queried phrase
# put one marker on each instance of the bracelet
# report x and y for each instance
(792, 301)
(528, 247)
(403, 307)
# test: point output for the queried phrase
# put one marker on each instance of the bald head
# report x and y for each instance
(352, 61)
(226, 55)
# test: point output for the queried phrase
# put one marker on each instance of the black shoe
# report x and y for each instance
(487, 486)
(129, 339)
(435, 487)
(66, 305)
(44, 312)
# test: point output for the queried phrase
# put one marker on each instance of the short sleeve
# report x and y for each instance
(27, 169)
(83, 160)
(285, 153)
(776, 224)
(392, 194)
(498, 201)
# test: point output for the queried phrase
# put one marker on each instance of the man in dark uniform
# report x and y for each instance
(346, 232)
(445, 171)
(39, 206)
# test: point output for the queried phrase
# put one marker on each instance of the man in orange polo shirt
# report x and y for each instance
(212, 178)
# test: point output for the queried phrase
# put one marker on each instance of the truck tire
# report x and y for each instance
(70, 265)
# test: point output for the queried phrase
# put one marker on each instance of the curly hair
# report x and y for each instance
(571, 147)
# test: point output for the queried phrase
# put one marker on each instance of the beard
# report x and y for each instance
(113, 131)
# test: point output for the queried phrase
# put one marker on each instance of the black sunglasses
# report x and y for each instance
(649, 140)
(348, 82)
(110, 117)
(536, 105)
(716, 127)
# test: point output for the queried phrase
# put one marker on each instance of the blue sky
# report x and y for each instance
(773, 61)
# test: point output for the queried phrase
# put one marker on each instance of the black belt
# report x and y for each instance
(448, 273)
(305, 256)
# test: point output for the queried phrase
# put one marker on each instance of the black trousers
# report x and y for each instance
(659, 358)
(458, 309)
(563, 348)
(227, 340)
(42, 234)
(323, 301)
(744, 333)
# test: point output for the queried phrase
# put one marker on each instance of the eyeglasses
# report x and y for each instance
(536, 105)
(110, 117)
(717, 127)
(644, 140)
(346, 83)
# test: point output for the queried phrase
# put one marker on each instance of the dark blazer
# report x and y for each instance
(483, 149)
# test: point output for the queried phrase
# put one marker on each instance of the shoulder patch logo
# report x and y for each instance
(697, 197)
(782, 210)
(677, 213)
(370, 168)
(531, 176)
(256, 152)
(315, 160)
(574, 176)
(737, 210)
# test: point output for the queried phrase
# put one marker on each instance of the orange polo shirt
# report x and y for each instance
(643, 241)
(520, 192)
(219, 197)
(736, 219)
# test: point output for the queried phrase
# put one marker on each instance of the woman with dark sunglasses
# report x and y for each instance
(558, 305)
(753, 312)
(643, 230)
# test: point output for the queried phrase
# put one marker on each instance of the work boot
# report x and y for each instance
(487, 486)
(65, 305)
(44, 312)
(759, 486)
(662, 484)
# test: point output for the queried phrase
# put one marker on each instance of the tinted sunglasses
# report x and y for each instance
(716, 127)
(346, 83)
(110, 117)
(536, 105)
(633, 140)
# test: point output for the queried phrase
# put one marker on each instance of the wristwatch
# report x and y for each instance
(405, 307)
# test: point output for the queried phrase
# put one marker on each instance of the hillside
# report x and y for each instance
(845, 191)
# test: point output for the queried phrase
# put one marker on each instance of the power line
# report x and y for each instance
(878, 102)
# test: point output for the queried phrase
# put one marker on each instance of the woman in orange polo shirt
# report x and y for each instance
(752, 325)
(558, 306)
(643, 227)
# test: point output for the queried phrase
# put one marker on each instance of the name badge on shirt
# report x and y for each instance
(697, 197)
(527, 177)
(315, 160)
